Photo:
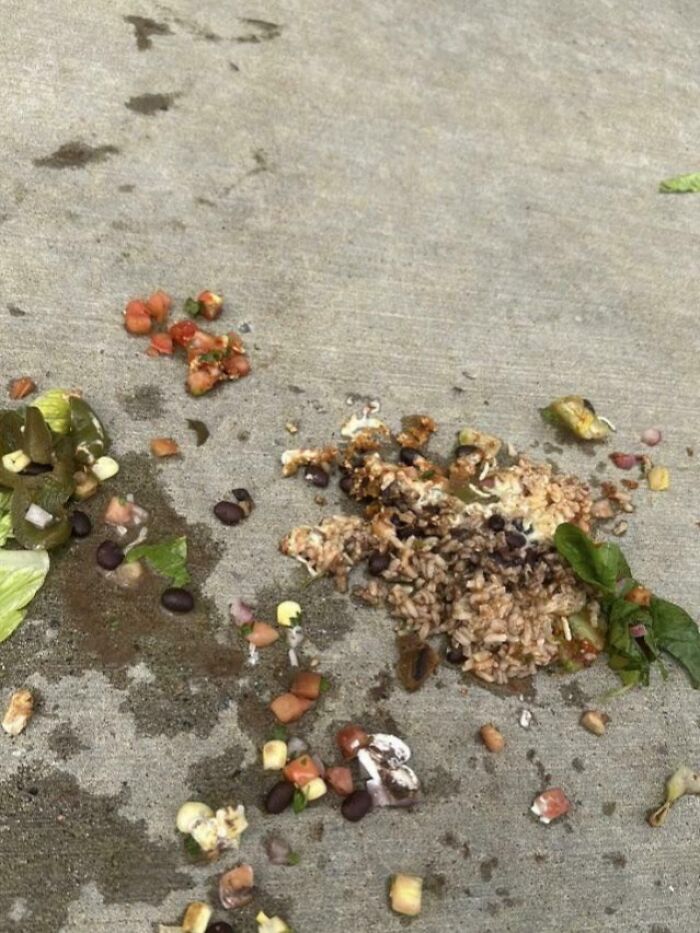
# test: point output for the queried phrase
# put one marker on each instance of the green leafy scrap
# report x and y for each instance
(681, 184)
(168, 558)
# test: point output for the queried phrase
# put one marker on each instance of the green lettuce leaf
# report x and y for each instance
(89, 436)
(55, 407)
(601, 565)
(681, 184)
(21, 575)
(5, 517)
(168, 558)
(677, 634)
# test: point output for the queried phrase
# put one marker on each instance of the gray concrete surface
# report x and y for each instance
(393, 195)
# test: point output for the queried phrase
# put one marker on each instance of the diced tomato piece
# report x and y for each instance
(301, 770)
(289, 708)
(236, 364)
(262, 635)
(202, 342)
(137, 320)
(182, 332)
(340, 779)
(351, 739)
(210, 305)
(164, 447)
(119, 512)
(551, 805)
(161, 344)
(307, 684)
(200, 381)
(159, 305)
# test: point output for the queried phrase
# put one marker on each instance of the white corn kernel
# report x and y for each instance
(191, 813)
(314, 789)
(105, 468)
(288, 613)
(274, 755)
(270, 924)
(406, 894)
(205, 835)
(16, 461)
(658, 478)
(197, 917)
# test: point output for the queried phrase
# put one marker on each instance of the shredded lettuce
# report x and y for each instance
(22, 573)
(55, 407)
(168, 558)
(5, 518)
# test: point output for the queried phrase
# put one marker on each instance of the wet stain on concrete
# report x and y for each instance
(75, 154)
(64, 742)
(58, 837)
(16, 311)
(148, 105)
(573, 695)
(218, 780)
(544, 775)
(259, 31)
(144, 28)
(143, 403)
(609, 808)
(487, 868)
(384, 681)
(578, 765)
(439, 784)
(126, 189)
(617, 859)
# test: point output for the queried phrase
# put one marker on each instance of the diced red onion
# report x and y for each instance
(241, 613)
(638, 631)
(624, 461)
(278, 850)
(651, 437)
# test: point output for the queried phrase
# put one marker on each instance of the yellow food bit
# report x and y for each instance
(658, 478)
(288, 613)
(578, 415)
(406, 894)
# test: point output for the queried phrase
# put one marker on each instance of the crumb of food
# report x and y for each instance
(551, 805)
(416, 431)
(19, 712)
(292, 427)
(492, 737)
(594, 721)
(164, 447)
(21, 387)
(469, 554)
(659, 478)
(293, 460)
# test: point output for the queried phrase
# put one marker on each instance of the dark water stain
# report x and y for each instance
(260, 31)
(524, 687)
(296, 390)
(243, 436)
(58, 838)
(218, 780)
(540, 857)
(75, 154)
(617, 859)
(503, 892)
(143, 403)
(544, 775)
(573, 694)
(384, 681)
(435, 883)
(452, 842)
(659, 928)
(317, 831)
(205, 202)
(126, 189)
(65, 743)
(609, 808)
(233, 66)
(16, 311)
(611, 911)
(148, 105)
(489, 765)
(105, 628)
(487, 868)
(328, 615)
(439, 784)
(144, 28)
(549, 448)
(578, 765)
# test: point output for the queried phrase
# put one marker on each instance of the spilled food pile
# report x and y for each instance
(490, 549)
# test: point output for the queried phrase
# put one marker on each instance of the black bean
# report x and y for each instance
(356, 805)
(496, 522)
(404, 532)
(229, 513)
(279, 797)
(220, 927)
(346, 483)
(409, 455)
(109, 555)
(455, 656)
(465, 450)
(177, 599)
(81, 526)
(377, 563)
(515, 540)
(316, 475)
(242, 495)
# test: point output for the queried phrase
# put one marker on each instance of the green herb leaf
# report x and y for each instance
(324, 686)
(681, 184)
(200, 429)
(213, 356)
(168, 558)
(279, 733)
(428, 474)
(601, 565)
(246, 630)
(299, 801)
(22, 574)
(293, 858)
(676, 633)
(192, 307)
